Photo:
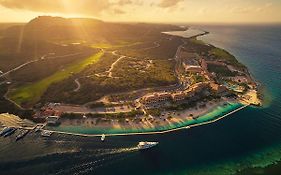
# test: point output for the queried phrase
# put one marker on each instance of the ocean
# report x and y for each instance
(247, 142)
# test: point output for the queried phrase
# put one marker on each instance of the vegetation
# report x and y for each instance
(180, 107)
(131, 73)
(8, 107)
(30, 94)
(197, 78)
(50, 65)
(120, 115)
(148, 63)
(114, 45)
(154, 112)
(222, 54)
(221, 71)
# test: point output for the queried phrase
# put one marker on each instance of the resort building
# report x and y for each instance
(179, 96)
(191, 65)
(156, 98)
(240, 79)
(219, 89)
(199, 87)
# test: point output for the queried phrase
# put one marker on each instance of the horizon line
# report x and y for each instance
(154, 22)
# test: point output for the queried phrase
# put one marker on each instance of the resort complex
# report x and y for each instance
(159, 81)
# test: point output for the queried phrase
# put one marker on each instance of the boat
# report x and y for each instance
(146, 145)
(22, 135)
(102, 137)
(187, 127)
(6, 129)
(11, 131)
(37, 129)
(45, 133)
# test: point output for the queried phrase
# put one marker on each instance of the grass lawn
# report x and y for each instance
(30, 94)
(114, 45)
(196, 41)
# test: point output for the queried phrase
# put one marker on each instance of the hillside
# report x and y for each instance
(59, 50)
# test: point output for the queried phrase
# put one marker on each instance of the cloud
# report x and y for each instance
(118, 11)
(124, 2)
(169, 3)
(85, 7)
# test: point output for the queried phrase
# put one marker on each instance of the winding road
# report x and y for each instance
(109, 71)
(39, 59)
(78, 85)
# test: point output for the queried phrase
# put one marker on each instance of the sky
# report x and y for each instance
(160, 11)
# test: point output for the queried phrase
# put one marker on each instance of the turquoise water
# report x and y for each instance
(247, 142)
(212, 115)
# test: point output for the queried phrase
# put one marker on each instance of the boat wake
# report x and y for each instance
(99, 160)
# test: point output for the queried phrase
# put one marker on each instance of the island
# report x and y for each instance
(95, 78)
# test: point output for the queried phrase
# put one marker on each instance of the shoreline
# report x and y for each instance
(164, 131)
(147, 127)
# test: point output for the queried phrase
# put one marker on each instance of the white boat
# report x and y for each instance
(6, 129)
(45, 133)
(146, 145)
(102, 137)
(22, 134)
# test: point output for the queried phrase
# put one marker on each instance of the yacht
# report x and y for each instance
(22, 134)
(11, 131)
(102, 137)
(45, 133)
(146, 145)
(6, 129)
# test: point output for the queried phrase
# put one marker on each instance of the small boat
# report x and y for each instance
(146, 145)
(22, 135)
(45, 133)
(10, 132)
(6, 129)
(102, 138)
(37, 129)
(187, 127)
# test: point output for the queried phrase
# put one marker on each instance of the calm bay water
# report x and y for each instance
(249, 138)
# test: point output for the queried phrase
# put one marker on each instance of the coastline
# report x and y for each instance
(199, 117)
(210, 117)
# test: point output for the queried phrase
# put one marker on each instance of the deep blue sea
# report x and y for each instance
(247, 142)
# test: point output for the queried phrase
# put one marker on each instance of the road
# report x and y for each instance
(108, 73)
(78, 85)
(17, 68)
(36, 60)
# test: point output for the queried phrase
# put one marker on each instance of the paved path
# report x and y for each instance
(113, 64)
(108, 73)
(78, 85)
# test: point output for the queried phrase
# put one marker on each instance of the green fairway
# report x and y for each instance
(30, 94)
(114, 45)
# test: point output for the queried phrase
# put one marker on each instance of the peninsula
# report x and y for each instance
(92, 77)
